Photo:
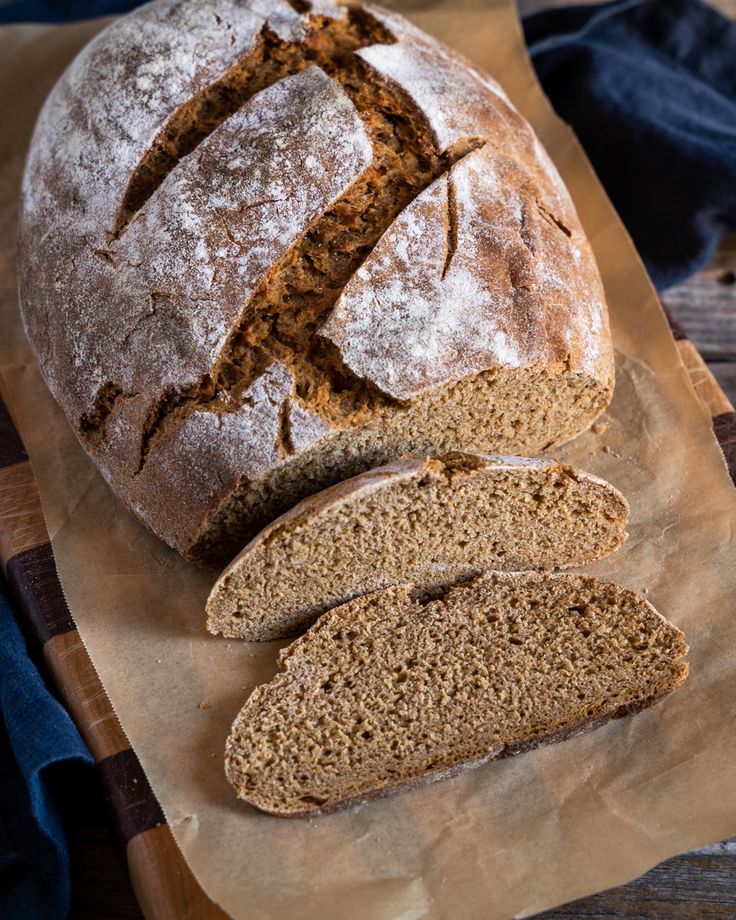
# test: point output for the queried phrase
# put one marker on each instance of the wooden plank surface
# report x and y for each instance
(705, 306)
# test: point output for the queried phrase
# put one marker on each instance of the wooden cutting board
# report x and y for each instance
(162, 881)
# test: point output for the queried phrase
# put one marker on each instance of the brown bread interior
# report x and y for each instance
(508, 411)
(453, 518)
(384, 692)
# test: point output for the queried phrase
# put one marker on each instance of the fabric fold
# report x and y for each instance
(38, 744)
(649, 86)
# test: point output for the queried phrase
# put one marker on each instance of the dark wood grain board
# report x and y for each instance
(698, 886)
(725, 374)
(705, 306)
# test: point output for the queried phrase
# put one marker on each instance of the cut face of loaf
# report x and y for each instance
(322, 241)
(383, 692)
(431, 522)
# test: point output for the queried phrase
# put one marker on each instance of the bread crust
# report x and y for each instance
(131, 312)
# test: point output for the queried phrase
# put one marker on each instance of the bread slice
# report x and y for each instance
(431, 522)
(384, 693)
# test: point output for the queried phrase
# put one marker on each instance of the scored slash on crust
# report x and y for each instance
(412, 161)
(209, 326)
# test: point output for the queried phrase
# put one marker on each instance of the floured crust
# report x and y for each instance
(132, 311)
(179, 276)
(413, 319)
(418, 313)
(93, 130)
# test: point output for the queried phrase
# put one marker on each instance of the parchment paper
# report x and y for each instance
(507, 839)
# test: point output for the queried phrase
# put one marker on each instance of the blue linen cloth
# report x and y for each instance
(38, 744)
(61, 10)
(650, 88)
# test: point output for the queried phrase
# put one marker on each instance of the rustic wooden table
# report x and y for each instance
(696, 886)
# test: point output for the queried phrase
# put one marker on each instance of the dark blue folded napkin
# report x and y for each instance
(38, 745)
(650, 88)
(61, 10)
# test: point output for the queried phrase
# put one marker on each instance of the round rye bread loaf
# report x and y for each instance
(267, 245)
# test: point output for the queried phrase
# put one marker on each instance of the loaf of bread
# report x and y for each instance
(266, 245)
(432, 522)
(384, 693)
